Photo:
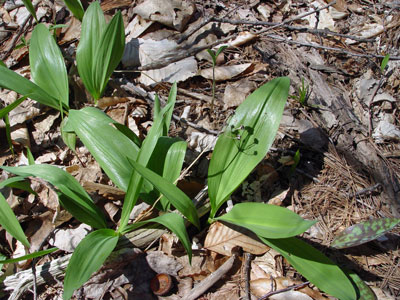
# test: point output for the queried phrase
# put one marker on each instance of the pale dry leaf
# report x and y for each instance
(262, 286)
(68, 239)
(107, 5)
(172, 13)
(196, 270)
(199, 141)
(136, 27)
(265, 266)
(109, 192)
(40, 234)
(225, 72)
(241, 39)
(222, 239)
(278, 199)
(237, 92)
(162, 263)
(143, 52)
(71, 32)
(110, 101)
(20, 135)
(166, 243)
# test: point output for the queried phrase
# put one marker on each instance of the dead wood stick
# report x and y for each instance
(247, 269)
(370, 55)
(297, 286)
(323, 32)
(210, 280)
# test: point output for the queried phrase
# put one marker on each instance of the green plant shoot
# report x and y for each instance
(214, 56)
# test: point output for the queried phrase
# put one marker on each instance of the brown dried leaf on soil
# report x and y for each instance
(222, 239)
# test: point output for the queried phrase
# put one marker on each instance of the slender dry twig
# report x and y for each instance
(293, 287)
(370, 55)
(211, 279)
(16, 37)
(321, 32)
(247, 264)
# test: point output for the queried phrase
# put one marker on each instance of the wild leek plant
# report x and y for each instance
(214, 56)
(100, 49)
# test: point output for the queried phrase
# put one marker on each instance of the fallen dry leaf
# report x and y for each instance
(172, 13)
(225, 72)
(222, 239)
(260, 287)
(235, 93)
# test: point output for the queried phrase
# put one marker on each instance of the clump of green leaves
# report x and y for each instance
(302, 94)
(100, 49)
(214, 56)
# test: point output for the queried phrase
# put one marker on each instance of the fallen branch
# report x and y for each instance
(368, 55)
(210, 280)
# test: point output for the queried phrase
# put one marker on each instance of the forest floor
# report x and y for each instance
(347, 133)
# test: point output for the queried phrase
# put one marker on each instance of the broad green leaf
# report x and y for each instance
(28, 256)
(4, 111)
(87, 258)
(12, 81)
(75, 6)
(167, 160)
(10, 223)
(2, 64)
(107, 144)
(72, 195)
(246, 140)
(364, 291)
(173, 222)
(29, 6)
(267, 220)
(47, 64)
(145, 152)
(18, 182)
(69, 138)
(93, 25)
(363, 232)
(384, 62)
(178, 198)
(100, 48)
(314, 266)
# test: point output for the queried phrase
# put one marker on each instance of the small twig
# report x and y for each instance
(282, 39)
(34, 279)
(195, 126)
(184, 37)
(367, 190)
(293, 287)
(210, 280)
(16, 37)
(247, 264)
(322, 32)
